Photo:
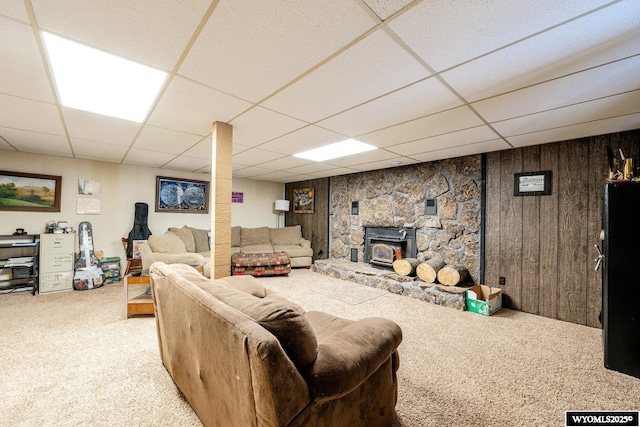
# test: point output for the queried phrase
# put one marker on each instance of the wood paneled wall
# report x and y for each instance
(315, 226)
(544, 246)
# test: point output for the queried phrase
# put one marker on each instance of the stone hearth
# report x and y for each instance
(381, 278)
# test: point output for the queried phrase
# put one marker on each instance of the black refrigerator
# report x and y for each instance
(621, 277)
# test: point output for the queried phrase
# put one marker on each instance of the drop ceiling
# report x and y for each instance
(421, 80)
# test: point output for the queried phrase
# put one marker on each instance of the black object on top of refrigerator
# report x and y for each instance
(621, 278)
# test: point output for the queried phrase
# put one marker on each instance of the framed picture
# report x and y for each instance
(532, 183)
(303, 200)
(30, 192)
(182, 195)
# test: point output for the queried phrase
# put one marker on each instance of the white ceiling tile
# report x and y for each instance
(20, 113)
(446, 33)
(23, 72)
(190, 107)
(331, 172)
(603, 108)
(599, 127)
(595, 39)
(276, 176)
(384, 164)
(301, 140)
(259, 125)
(436, 124)
(463, 150)
(367, 157)
(148, 158)
(419, 99)
(96, 127)
(154, 33)
(371, 68)
(256, 156)
(166, 141)
(618, 77)
(251, 171)
(185, 163)
(92, 150)
(251, 49)
(453, 139)
(238, 148)
(14, 9)
(385, 8)
(202, 149)
(34, 142)
(313, 168)
(286, 163)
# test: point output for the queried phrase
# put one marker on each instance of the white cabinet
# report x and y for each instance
(56, 262)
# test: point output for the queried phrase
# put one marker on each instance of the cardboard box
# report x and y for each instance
(484, 300)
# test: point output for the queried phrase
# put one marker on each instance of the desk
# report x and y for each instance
(140, 302)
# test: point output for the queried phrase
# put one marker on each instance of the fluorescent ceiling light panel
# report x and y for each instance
(333, 151)
(92, 80)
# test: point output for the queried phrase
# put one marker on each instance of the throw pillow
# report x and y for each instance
(186, 236)
(201, 238)
(286, 235)
(254, 236)
(167, 243)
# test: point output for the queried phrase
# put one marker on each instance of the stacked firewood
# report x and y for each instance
(434, 270)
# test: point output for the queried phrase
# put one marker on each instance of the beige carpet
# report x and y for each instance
(70, 359)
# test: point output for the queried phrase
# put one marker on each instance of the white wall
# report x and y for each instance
(121, 187)
(258, 207)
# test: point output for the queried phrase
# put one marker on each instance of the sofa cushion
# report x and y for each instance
(186, 236)
(248, 284)
(257, 249)
(293, 251)
(286, 235)
(235, 236)
(167, 243)
(254, 236)
(201, 238)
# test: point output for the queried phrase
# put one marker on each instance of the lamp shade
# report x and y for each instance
(282, 205)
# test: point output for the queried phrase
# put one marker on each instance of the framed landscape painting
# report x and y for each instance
(182, 195)
(303, 200)
(30, 192)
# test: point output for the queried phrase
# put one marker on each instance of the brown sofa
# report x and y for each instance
(245, 356)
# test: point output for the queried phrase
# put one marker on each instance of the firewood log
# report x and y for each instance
(452, 275)
(428, 270)
(405, 266)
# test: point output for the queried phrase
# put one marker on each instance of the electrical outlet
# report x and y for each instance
(503, 281)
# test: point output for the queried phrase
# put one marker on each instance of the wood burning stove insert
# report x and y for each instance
(383, 245)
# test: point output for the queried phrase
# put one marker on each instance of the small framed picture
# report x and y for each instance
(532, 183)
(303, 200)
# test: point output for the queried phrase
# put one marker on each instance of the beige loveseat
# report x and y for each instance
(267, 240)
(188, 245)
(245, 356)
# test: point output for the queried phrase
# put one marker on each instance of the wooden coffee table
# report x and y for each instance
(136, 299)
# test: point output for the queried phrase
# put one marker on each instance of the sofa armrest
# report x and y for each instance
(305, 243)
(347, 357)
(189, 258)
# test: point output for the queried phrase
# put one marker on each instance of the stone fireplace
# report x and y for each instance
(383, 245)
(398, 199)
